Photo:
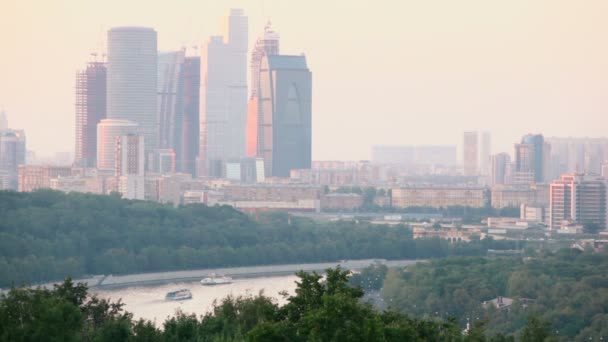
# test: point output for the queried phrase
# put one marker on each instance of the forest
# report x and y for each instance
(48, 235)
(321, 309)
(567, 289)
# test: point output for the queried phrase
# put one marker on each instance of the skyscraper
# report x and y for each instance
(12, 154)
(579, 198)
(499, 169)
(266, 45)
(107, 132)
(484, 153)
(284, 128)
(3, 120)
(471, 154)
(530, 159)
(186, 158)
(130, 165)
(131, 85)
(224, 97)
(170, 98)
(90, 110)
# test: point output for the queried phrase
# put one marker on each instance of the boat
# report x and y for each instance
(182, 294)
(216, 280)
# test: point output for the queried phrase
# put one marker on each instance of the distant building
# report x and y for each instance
(500, 169)
(531, 160)
(164, 161)
(170, 99)
(33, 177)
(393, 154)
(579, 198)
(471, 154)
(3, 120)
(605, 169)
(485, 149)
(130, 164)
(581, 155)
(190, 127)
(90, 110)
(284, 129)
(338, 201)
(533, 213)
(12, 154)
(444, 155)
(107, 132)
(506, 196)
(223, 107)
(439, 197)
(132, 80)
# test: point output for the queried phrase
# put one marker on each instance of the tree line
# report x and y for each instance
(567, 289)
(326, 309)
(48, 235)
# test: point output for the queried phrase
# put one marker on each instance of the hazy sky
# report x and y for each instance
(384, 71)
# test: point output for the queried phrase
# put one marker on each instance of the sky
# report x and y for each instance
(384, 71)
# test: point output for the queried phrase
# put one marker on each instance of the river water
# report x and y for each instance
(149, 302)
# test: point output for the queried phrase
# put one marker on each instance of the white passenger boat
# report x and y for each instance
(216, 280)
(178, 295)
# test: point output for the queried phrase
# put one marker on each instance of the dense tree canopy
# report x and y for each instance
(567, 289)
(48, 235)
(321, 309)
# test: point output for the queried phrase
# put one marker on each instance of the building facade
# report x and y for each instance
(578, 198)
(223, 99)
(12, 154)
(90, 110)
(285, 124)
(439, 197)
(190, 134)
(132, 79)
(107, 132)
(471, 154)
(130, 164)
(500, 169)
(33, 177)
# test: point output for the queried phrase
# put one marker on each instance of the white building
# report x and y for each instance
(130, 163)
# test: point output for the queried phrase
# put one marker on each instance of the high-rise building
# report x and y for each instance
(191, 75)
(471, 154)
(605, 170)
(130, 163)
(578, 198)
(223, 105)
(132, 78)
(170, 99)
(530, 161)
(284, 127)
(107, 132)
(3, 120)
(485, 148)
(500, 169)
(90, 110)
(12, 154)
(578, 154)
(266, 45)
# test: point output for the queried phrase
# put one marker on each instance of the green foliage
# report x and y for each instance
(564, 291)
(371, 278)
(48, 235)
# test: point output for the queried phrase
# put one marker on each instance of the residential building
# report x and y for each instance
(132, 80)
(338, 201)
(471, 154)
(130, 164)
(485, 148)
(438, 197)
(107, 132)
(12, 154)
(33, 177)
(512, 196)
(579, 198)
(530, 160)
(500, 169)
(90, 110)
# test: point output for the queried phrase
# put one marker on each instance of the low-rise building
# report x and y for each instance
(504, 196)
(338, 201)
(438, 197)
(33, 177)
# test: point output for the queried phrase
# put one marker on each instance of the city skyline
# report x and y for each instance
(548, 65)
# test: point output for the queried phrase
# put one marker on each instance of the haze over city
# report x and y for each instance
(385, 72)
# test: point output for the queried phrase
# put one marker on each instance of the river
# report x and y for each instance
(149, 302)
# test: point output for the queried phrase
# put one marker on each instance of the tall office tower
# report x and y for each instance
(130, 163)
(578, 154)
(224, 97)
(579, 198)
(3, 120)
(500, 166)
(530, 160)
(485, 149)
(170, 99)
(90, 110)
(131, 87)
(470, 154)
(191, 75)
(107, 132)
(266, 45)
(12, 154)
(284, 128)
